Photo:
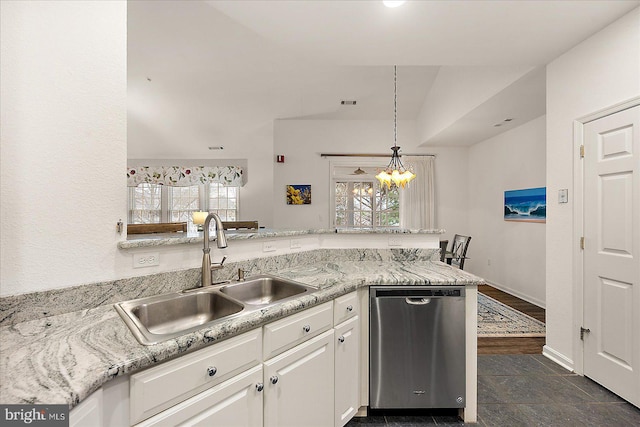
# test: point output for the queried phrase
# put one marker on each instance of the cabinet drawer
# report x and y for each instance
(345, 307)
(288, 332)
(160, 387)
(236, 402)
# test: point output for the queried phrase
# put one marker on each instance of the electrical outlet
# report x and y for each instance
(148, 259)
(295, 244)
(395, 241)
(268, 247)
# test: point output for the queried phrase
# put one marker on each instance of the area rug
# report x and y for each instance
(498, 320)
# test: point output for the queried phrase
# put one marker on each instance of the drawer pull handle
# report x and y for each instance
(306, 328)
(341, 338)
(274, 379)
(349, 308)
(259, 387)
(211, 370)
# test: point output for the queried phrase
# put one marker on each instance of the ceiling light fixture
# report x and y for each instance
(393, 3)
(395, 173)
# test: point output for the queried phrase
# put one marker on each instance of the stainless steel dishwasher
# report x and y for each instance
(416, 347)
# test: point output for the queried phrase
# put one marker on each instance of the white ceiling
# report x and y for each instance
(215, 67)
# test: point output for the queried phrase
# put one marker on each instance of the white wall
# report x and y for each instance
(516, 250)
(302, 141)
(458, 90)
(63, 141)
(598, 73)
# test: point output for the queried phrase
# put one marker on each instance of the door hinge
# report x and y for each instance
(582, 243)
(582, 151)
(582, 331)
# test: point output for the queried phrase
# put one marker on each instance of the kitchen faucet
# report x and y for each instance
(221, 242)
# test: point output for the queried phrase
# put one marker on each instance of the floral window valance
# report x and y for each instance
(184, 176)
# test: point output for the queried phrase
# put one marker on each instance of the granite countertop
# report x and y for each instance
(168, 239)
(64, 358)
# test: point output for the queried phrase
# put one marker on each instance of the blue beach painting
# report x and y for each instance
(528, 205)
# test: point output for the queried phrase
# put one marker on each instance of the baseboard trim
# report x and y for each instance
(520, 295)
(557, 357)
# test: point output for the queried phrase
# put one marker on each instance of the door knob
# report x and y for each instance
(211, 370)
(306, 328)
(341, 338)
(274, 379)
(259, 387)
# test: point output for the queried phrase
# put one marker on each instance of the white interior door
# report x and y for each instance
(612, 252)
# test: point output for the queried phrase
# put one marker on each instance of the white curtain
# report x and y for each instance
(417, 200)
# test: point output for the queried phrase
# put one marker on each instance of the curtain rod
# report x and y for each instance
(371, 155)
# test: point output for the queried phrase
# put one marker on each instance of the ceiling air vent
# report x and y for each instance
(346, 102)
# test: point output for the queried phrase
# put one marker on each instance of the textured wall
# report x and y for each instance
(63, 141)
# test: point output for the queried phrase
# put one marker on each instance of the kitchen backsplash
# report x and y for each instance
(20, 308)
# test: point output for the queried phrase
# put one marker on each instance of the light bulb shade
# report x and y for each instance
(384, 178)
(199, 217)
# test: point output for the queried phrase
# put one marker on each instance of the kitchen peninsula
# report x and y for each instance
(61, 346)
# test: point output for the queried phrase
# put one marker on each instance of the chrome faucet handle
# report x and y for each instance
(241, 275)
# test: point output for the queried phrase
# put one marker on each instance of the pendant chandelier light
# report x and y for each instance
(395, 173)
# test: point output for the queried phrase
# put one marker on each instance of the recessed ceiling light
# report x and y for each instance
(393, 3)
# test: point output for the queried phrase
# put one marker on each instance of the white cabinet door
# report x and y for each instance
(347, 370)
(89, 412)
(299, 385)
(234, 403)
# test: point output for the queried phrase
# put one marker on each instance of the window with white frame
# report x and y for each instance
(154, 203)
(358, 201)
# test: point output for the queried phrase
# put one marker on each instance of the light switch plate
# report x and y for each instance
(563, 195)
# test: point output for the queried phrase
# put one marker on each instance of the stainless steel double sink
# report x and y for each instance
(162, 317)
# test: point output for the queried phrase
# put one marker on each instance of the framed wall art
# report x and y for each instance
(528, 205)
(298, 194)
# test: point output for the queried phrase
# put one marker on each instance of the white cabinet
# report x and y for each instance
(89, 412)
(292, 330)
(163, 387)
(233, 403)
(347, 370)
(299, 385)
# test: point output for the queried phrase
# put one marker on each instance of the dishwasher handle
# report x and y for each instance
(417, 301)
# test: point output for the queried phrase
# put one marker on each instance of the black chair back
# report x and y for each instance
(459, 248)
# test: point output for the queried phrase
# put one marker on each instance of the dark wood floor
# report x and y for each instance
(507, 345)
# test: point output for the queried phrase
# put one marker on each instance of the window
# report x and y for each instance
(223, 201)
(183, 202)
(363, 204)
(145, 204)
(154, 203)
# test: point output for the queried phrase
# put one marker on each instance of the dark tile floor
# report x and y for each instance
(528, 390)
